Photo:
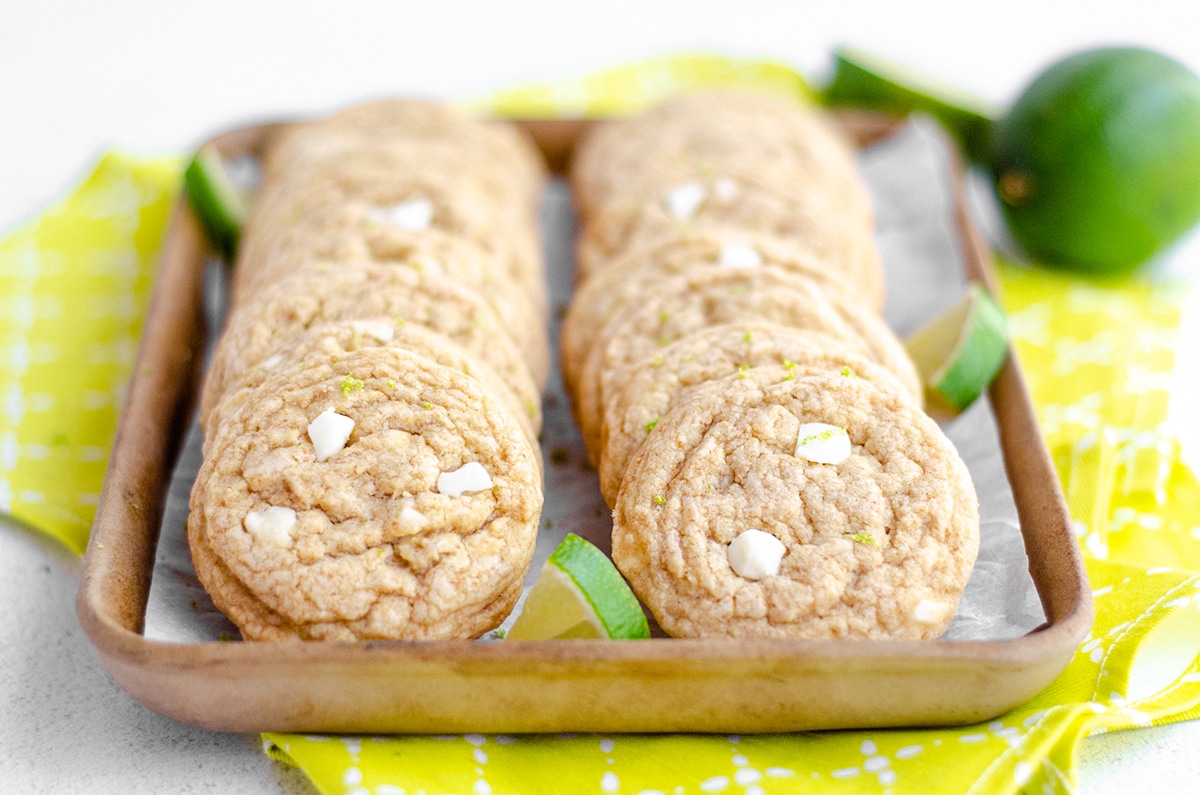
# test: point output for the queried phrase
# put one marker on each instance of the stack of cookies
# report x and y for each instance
(757, 427)
(371, 411)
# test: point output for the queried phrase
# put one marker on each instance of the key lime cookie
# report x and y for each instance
(431, 256)
(819, 507)
(379, 496)
(263, 323)
(654, 388)
(684, 304)
(494, 149)
(628, 279)
(784, 208)
(299, 213)
(637, 158)
(333, 341)
(353, 231)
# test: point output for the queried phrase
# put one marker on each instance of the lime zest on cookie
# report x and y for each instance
(349, 384)
(865, 538)
(579, 594)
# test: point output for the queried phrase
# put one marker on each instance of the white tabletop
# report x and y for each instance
(76, 78)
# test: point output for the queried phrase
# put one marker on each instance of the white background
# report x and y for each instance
(79, 77)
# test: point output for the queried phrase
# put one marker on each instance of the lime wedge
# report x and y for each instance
(219, 204)
(959, 352)
(865, 80)
(579, 594)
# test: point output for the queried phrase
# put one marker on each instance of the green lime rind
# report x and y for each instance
(603, 587)
(965, 378)
(959, 352)
(219, 205)
(866, 80)
(1097, 162)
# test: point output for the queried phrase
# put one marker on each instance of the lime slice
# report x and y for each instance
(959, 352)
(579, 594)
(219, 204)
(865, 80)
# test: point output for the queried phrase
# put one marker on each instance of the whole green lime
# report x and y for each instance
(1097, 163)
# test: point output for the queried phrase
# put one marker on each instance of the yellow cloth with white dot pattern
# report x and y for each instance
(74, 286)
(1102, 364)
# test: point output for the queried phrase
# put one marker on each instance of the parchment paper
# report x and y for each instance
(909, 181)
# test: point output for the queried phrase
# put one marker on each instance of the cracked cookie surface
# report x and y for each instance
(376, 540)
(653, 388)
(877, 545)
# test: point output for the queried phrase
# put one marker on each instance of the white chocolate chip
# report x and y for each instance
(467, 479)
(725, 189)
(271, 526)
(431, 266)
(380, 332)
(683, 200)
(822, 444)
(929, 611)
(755, 554)
(739, 255)
(329, 433)
(411, 521)
(273, 362)
(413, 215)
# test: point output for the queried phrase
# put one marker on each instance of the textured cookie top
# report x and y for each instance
(791, 209)
(356, 232)
(327, 343)
(638, 156)
(653, 388)
(432, 258)
(418, 521)
(299, 210)
(280, 314)
(631, 277)
(490, 146)
(683, 304)
(879, 544)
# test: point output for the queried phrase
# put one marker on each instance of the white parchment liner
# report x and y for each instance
(909, 180)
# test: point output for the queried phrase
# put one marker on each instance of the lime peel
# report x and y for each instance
(579, 594)
(220, 206)
(867, 80)
(960, 351)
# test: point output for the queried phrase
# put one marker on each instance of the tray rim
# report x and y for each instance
(118, 566)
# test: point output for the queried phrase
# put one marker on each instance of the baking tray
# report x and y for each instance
(656, 685)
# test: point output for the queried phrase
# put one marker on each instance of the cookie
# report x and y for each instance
(729, 524)
(635, 159)
(684, 304)
(493, 149)
(653, 388)
(379, 496)
(331, 341)
(262, 325)
(309, 214)
(808, 219)
(433, 256)
(630, 278)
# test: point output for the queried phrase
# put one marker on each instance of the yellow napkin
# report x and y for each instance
(1100, 360)
(74, 285)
